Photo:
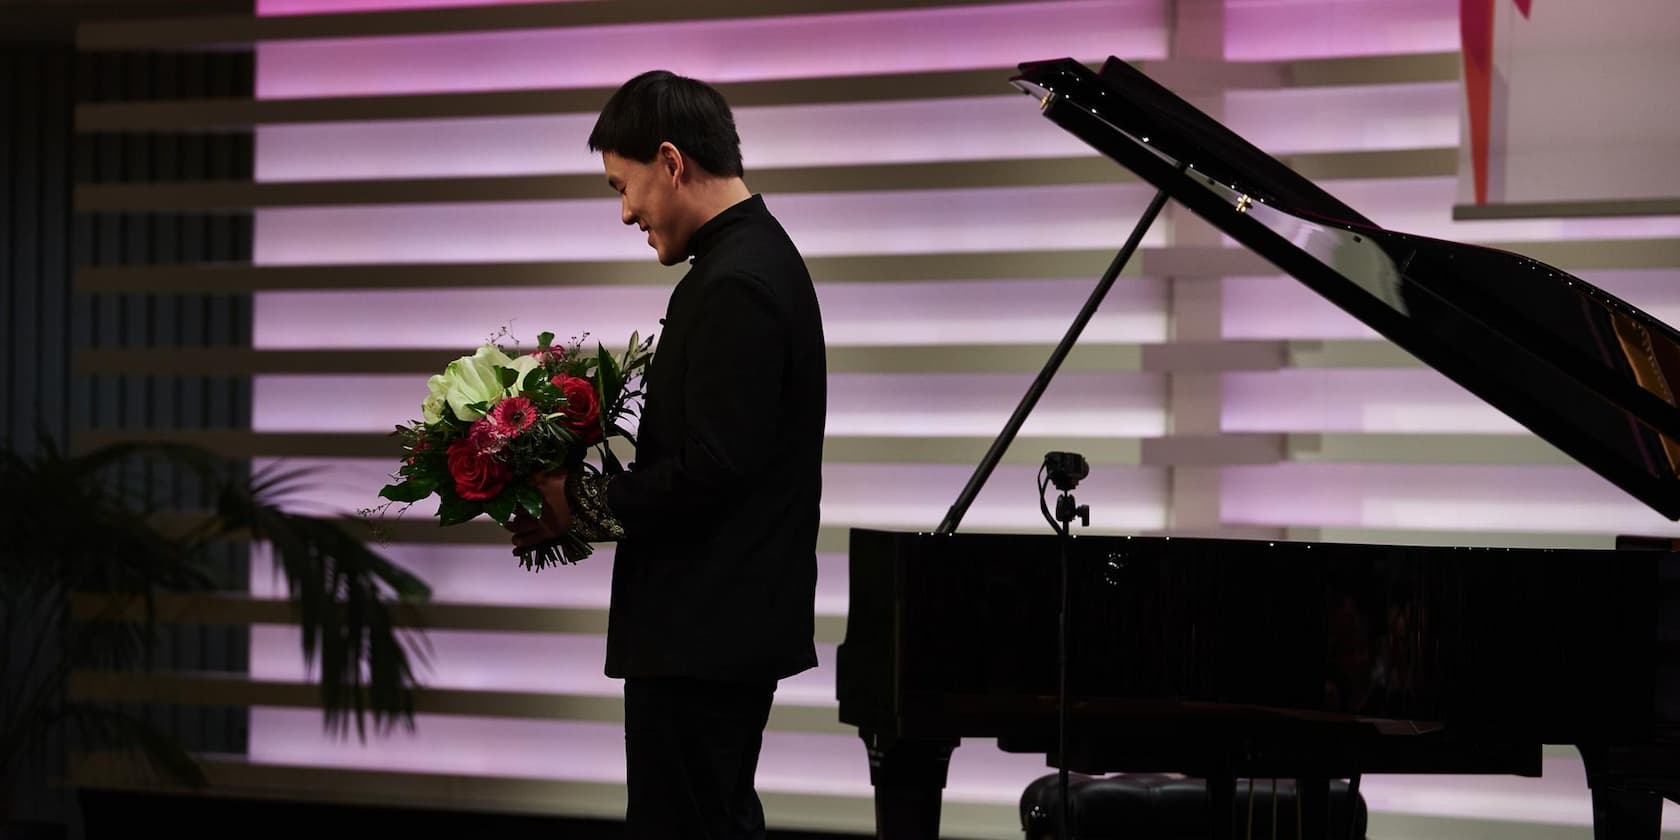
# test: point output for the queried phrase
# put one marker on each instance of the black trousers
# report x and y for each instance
(691, 751)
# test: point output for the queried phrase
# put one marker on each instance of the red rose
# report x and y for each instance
(477, 477)
(581, 415)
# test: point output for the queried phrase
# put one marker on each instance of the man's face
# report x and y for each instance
(647, 199)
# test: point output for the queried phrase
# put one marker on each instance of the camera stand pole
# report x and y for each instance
(1067, 509)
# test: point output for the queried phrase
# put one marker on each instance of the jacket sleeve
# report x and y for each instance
(735, 358)
(592, 519)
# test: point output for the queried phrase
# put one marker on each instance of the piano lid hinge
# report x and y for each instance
(1045, 100)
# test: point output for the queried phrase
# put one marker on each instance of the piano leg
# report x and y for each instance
(1620, 812)
(1312, 796)
(1222, 807)
(909, 779)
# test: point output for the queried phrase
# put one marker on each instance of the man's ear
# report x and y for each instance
(671, 163)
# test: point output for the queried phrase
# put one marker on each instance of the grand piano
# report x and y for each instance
(1225, 659)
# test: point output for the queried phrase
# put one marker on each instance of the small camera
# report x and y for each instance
(1066, 469)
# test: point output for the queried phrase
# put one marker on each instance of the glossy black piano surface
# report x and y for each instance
(1590, 373)
(1234, 658)
(1228, 658)
(955, 635)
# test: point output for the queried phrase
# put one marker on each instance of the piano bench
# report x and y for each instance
(1149, 806)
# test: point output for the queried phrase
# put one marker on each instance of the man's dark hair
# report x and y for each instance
(658, 106)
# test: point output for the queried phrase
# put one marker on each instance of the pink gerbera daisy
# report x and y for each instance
(513, 415)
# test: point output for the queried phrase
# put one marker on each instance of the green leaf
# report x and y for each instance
(501, 507)
(534, 380)
(617, 371)
(609, 461)
(610, 381)
(454, 510)
(412, 490)
(509, 376)
(530, 499)
(544, 340)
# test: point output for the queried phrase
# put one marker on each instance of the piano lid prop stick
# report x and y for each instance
(1030, 400)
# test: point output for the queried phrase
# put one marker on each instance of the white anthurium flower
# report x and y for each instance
(493, 355)
(431, 408)
(522, 365)
(474, 379)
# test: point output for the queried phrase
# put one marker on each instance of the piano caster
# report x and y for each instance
(909, 780)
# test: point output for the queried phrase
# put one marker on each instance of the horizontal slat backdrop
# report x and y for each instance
(422, 181)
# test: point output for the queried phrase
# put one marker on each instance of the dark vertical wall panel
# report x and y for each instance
(44, 322)
(35, 344)
(118, 322)
(31, 345)
(53, 301)
(10, 320)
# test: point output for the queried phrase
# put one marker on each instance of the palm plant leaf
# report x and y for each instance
(88, 524)
(344, 594)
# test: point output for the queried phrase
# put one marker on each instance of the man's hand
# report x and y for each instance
(530, 532)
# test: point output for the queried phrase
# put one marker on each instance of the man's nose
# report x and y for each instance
(628, 217)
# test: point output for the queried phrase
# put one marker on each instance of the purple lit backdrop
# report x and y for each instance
(456, 574)
(1256, 29)
(1467, 498)
(1284, 29)
(903, 222)
(971, 128)
(554, 663)
(854, 314)
(1280, 307)
(1409, 116)
(826, 764)
(886, 495)
(1356, 401)
(980, 128)
(275, 8)
(791, 762)
(893, 405)
(858, 43)
(1419, 206)
(906, 222)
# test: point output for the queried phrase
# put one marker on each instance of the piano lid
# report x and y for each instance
(1588, 372)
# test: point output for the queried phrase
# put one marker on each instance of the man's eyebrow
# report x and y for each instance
(612, 182)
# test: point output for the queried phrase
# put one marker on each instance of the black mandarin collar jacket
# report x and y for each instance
(716, 575)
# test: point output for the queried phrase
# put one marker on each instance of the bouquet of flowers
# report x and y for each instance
(496, 421)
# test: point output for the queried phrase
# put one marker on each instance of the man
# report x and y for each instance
(715, 574)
